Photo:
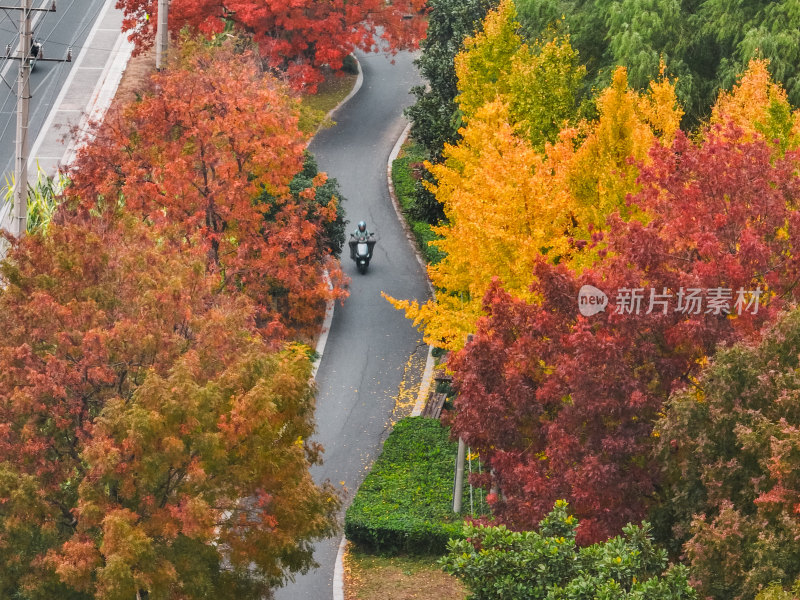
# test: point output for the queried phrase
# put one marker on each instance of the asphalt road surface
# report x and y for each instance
(68, 26)
(370, 343)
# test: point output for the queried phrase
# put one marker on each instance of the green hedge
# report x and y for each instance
(405, 186)
(405, 503)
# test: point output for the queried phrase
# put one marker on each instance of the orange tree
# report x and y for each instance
(299, 37)
(212, 149)
(151, 440)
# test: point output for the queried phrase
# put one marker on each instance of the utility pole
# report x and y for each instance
(20, 215)
(162, 33)
(20, 224)
(458, 488)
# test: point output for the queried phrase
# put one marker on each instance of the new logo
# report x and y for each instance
(591, 300)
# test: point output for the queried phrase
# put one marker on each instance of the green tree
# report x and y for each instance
(333, 233)
(706, 44)
(754, 29)
(646, 36)
(583, 20)
(730, 447)
(434, 117)
(498, 564)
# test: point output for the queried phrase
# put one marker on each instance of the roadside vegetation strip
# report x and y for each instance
(317, 110)
(404, 504)
(405, 184)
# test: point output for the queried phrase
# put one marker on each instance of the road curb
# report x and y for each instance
(338, 572)
(319, 349)
(425, 384)
(396, 204)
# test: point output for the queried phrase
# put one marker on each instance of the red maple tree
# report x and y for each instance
(297, 37)
(208, 155)
(561, 405)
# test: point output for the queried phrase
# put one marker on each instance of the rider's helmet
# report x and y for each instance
(362, 226)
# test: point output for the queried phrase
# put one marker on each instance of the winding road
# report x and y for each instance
(370, 344)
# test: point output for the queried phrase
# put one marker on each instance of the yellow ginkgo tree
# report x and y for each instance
(602, 170)
(539, 81)
(759, 106)
(501, 216)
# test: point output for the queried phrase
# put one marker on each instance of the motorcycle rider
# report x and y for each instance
(360, 234)
(361, 230)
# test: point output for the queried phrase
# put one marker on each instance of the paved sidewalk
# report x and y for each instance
(86, 95)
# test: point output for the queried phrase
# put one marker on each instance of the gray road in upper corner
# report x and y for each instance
(370, 342)
(67, 27)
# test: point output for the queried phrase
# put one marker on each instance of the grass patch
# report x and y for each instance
(369, 577)
(404, 180)
(315, 107)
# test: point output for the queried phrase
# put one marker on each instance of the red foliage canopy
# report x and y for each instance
(209, 154)
(297, 37)
(561, 405)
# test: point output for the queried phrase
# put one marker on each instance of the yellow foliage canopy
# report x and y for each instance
(509, 195)
(603, 169)
(760, 107)
(483, 66)
(501, 216)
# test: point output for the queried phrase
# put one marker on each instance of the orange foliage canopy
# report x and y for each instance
(208, 155)
(148, 435)
(297, 37)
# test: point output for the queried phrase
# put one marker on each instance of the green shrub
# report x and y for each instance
(333, 232)
(405, 503)
(409, 192)
(350, 65)
(424, 234)
(498, 564)
(403, 177)
(43, 198)
(776, 592)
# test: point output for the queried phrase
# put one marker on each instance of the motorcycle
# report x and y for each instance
(361, 248)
